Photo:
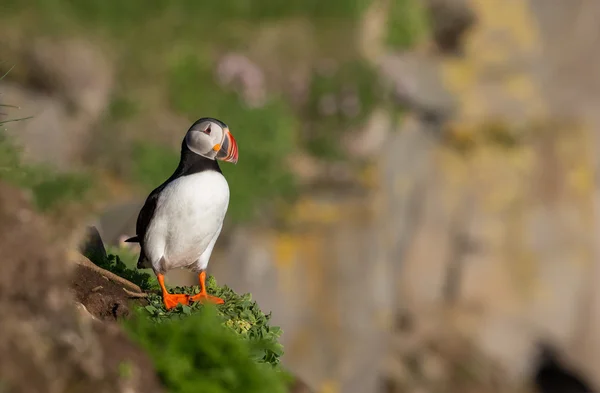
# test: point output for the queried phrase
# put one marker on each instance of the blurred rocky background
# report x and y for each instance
(416, 199)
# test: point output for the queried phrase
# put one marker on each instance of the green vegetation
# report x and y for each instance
(224, 348)
(408, 23)
(239, 313)
(152, 163)
(165, 54)
(49, 187)
(125, 369)
(114, 264)
(352, 95)
(265, 135)
(122, 254)
(118, 16)
(198, 354)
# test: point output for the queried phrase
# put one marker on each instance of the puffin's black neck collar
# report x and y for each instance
(191, 163)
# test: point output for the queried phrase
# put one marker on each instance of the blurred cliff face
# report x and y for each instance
(433, 159)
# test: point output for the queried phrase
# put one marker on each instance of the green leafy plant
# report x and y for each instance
(126, 255)
(239, 313)
(114, 264)
(197, 354)
(225, 348)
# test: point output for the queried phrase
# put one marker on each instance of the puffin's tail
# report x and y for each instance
(143, 262)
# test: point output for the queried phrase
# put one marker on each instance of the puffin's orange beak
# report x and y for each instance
(228, 151)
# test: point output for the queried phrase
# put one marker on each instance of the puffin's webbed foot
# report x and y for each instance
(203, 296)
(206, 298)
(171, 300)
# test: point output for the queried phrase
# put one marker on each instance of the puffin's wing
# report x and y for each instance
(143, 221)
(145, 216)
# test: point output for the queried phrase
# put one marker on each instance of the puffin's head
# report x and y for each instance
(211, 138)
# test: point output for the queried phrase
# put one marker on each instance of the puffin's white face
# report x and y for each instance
(211, 140)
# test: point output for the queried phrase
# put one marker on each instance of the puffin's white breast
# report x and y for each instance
(189, 214)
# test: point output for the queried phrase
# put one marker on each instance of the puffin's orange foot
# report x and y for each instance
(172, 300)
(204, 298)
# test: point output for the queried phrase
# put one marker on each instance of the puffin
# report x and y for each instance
(182, 218)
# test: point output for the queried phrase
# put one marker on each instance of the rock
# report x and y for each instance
(370, 139)
(49, 350)
(49, 347)
(65, 87)
(416, 85)
(73, 69)
(92, 245)
(51, 136)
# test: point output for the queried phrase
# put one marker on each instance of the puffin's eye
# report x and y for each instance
(208, 130)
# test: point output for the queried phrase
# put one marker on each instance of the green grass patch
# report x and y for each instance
(226, 348)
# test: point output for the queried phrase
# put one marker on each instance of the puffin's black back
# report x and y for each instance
(189, 164)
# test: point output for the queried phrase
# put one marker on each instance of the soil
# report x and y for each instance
(107, 302)
(103, 298)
